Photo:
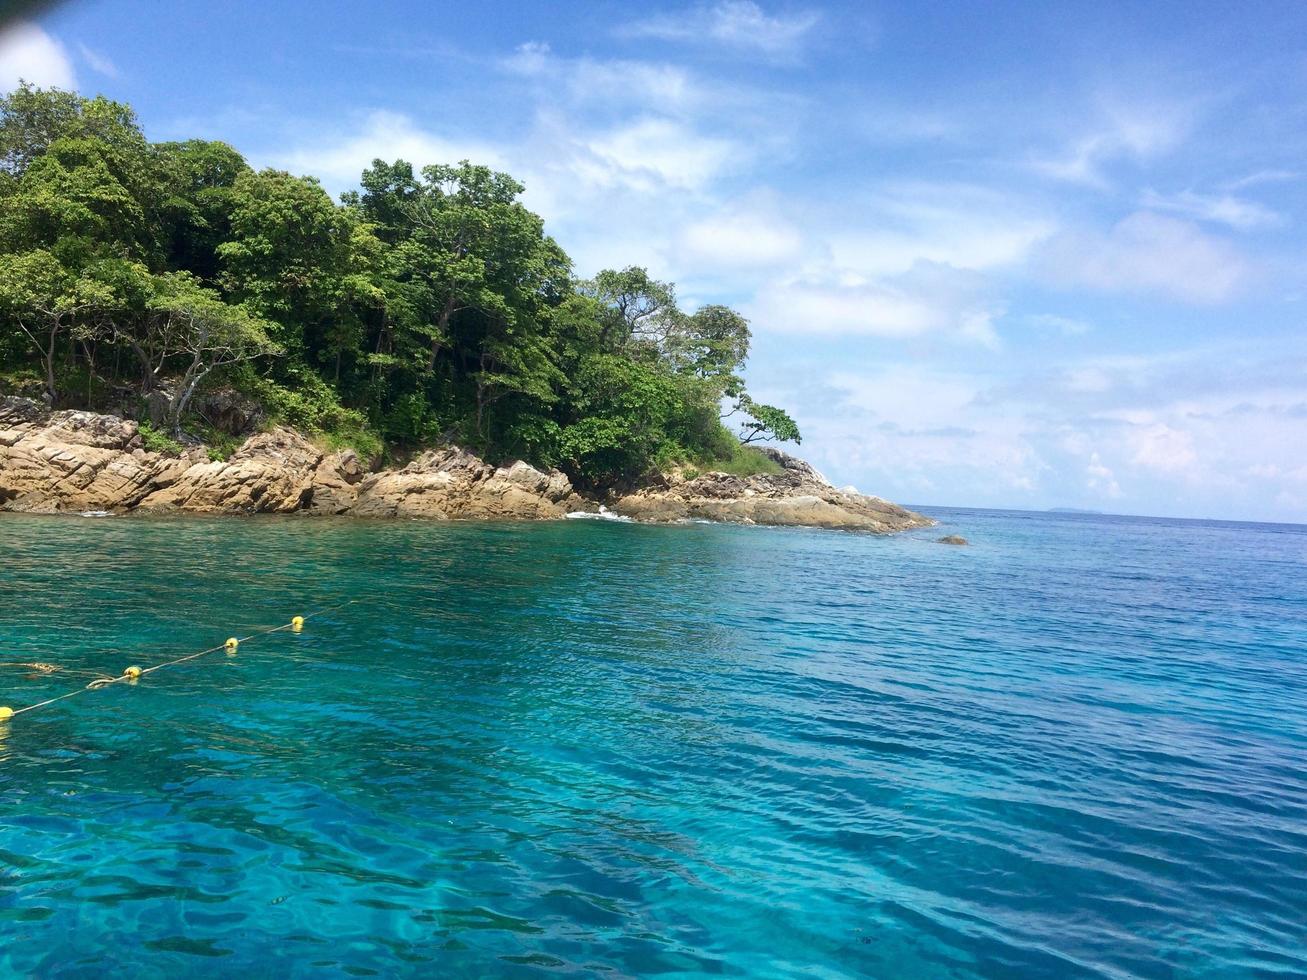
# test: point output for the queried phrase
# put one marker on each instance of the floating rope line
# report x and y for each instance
(40, 667)
(132, 674)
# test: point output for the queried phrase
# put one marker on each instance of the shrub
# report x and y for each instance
(158, 441)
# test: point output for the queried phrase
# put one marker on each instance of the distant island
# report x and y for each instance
(1072, 510)
(225, 313)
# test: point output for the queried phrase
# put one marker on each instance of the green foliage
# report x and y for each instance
(218, 445)
(426, 306)
(745, 461)
(766, 422)
(158, 441)
(24, 381)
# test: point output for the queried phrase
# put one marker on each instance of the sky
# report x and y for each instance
(996, 255)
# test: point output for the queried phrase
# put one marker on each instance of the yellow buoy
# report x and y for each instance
(132, 672)
(231, 644)
(6, 714)
(296, 624)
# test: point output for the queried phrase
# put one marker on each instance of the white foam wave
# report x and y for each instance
(603, 514)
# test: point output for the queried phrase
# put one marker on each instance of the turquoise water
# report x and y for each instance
(1076, 748)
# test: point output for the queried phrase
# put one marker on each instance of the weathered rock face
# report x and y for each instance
(797, 496)
(73, 460)
(78, 461)
(453, 483)
(271, 473)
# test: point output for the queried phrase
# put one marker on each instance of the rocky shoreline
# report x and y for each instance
(75, 462)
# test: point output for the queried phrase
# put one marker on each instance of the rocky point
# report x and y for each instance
(71, 461)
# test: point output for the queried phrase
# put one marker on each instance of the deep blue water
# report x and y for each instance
(1076, 748)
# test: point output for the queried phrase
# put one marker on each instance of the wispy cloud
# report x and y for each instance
(739, 24)
(1123, 131)
(903, 222)
(743, 235)
(1237, 212)
(339, 158)
(97, 61)
(1264, 177)
(1101, 478)
(1065, 325)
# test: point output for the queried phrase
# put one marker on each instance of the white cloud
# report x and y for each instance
(978, 326)
(907, 222)
(651, 151)
(1267, 176)
(1124, 130)
(1220, 208)
(915, 432)
(873, 309)
(615, 82)
(1068, 326)
(97, 61)
(744, 236)
(1152, 253)
(1161, 447)
(929, 300)
(616, 195)
(29, 54)
(733, 23)
(338, 159)
(1101, 478)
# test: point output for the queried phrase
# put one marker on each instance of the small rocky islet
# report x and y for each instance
(77, 461)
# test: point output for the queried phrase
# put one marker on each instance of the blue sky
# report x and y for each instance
(1022, 255)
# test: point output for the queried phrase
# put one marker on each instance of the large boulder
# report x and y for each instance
(70, 460)
(271, 473)
(335, 483)
(452, 483)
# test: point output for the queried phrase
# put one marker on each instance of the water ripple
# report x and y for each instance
(1074, 749)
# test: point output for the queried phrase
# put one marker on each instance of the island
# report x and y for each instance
(179, 331)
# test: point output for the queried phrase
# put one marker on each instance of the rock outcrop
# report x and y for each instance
(79, 461)
(798, 495)
(452, 483)
(75, 460)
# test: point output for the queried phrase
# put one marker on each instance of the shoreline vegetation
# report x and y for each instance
(168, 298)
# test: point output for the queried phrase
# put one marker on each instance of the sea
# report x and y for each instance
(1075, 747)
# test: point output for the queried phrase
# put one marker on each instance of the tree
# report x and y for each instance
(470, 277)
(195, 327)
(634, 308)
(712, 344)
(33, 119)
(765, 423)
(199, 178)
(81, 178)
(622, 410)
(44, 299)
(298, 261)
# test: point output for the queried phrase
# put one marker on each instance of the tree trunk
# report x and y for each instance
(182, 396)
(442, 325)
(90, 370)
(49, 364)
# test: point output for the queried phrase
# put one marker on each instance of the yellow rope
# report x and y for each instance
(45, 669)
(132, 674)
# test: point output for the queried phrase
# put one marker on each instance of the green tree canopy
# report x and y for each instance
(428, 304)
